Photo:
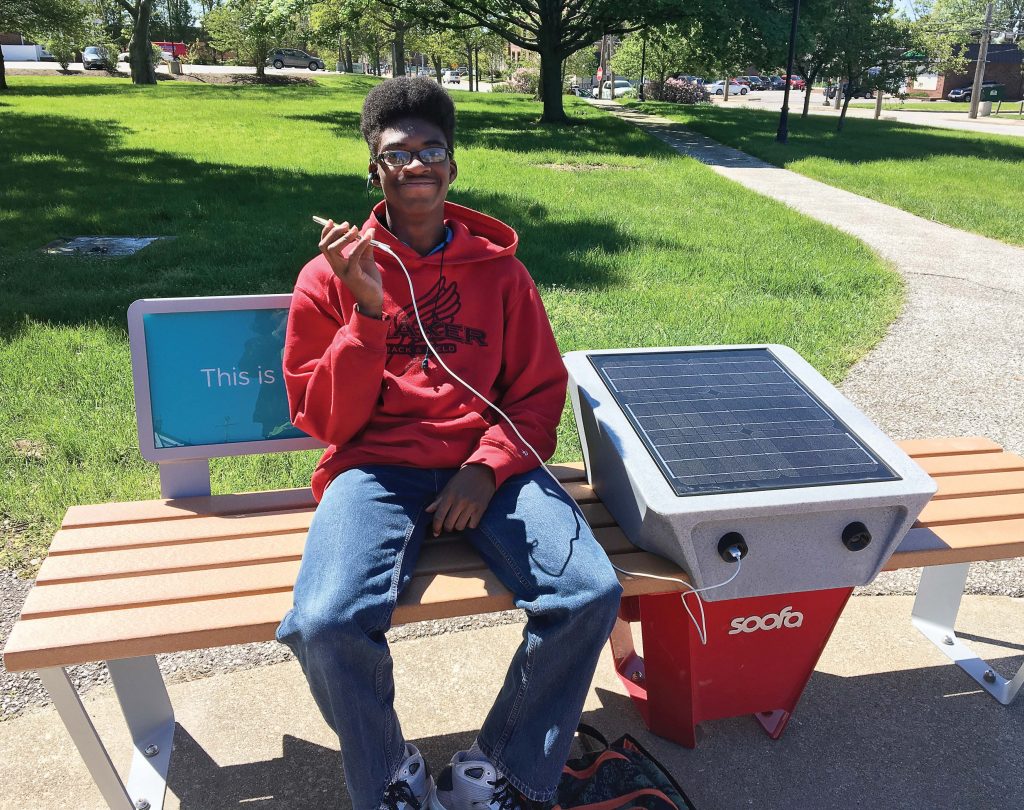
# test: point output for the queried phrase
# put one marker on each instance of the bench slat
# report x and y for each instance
(921, 448)
(967, 542)
(941, 466)
(78, 638)
(108, 514)
(997, 483)
(167, 532)
(971, 509)
(219, 582)
(115, 563)
(280, 500)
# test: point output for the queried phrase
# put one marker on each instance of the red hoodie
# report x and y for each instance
(357, 383)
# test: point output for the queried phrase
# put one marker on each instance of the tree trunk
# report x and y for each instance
(375, 59)
(807, 92)
(398, 66)
(348, 58)
(551, 86)
(475, 67)
(437, 68)
(469, 66)
(725, 91)
(846, 103)
(140, 52)
(3, 71)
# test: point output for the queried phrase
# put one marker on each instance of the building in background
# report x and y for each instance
(1005, 65)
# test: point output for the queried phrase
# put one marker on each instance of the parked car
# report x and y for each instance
(742, 80)
(293, 57)
(760, 82)
(451, 77)
(857, 92)
(797, 83)
(96, 57)
(622, 86)
(965, 93)
(777, 82)
(718, 88)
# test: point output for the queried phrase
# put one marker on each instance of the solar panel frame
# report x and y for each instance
(729, 480)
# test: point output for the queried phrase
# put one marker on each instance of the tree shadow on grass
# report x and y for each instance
(238, 230)
(508, 131)
(863, 140)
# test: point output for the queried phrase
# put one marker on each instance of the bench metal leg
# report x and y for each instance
(147, 711)
(934, 614)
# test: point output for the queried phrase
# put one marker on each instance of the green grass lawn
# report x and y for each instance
(630, 245)
(968, 180)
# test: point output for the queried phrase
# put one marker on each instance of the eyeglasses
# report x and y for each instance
(403, 157)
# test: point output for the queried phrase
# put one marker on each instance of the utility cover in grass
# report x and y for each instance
(101, 245)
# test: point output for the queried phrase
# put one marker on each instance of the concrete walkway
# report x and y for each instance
(953, 363)
(885, 722)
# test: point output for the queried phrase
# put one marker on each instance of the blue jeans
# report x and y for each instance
(361, 552)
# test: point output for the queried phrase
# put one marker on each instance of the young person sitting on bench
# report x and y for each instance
(412, 451)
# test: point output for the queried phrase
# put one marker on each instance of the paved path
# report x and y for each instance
(953, 363)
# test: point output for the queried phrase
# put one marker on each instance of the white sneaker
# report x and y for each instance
(413, 784)
(469, 784)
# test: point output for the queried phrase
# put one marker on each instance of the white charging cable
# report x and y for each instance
(701, 626)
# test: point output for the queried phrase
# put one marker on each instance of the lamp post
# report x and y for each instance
(643, 65)
(783, 134)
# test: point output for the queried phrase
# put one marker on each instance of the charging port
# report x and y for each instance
(730, 541)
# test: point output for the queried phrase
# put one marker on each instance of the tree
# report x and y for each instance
(582, 63)
(554, 29)
(734, 34)
(440, 45)
(179, 19)
(817, 38)
(669, 50)
(42, 20)
(869, 48)
(251, 28)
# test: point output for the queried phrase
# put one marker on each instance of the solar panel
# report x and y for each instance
(734, 420)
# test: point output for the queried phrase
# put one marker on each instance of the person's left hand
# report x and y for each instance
(464, 500)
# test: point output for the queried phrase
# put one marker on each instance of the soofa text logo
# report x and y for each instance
(787, 617)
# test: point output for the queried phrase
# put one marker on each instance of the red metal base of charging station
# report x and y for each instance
(760, 653)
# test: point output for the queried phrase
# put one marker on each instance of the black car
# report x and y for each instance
(777, 82)
(965, 93)
(759, 83)
(858, 92)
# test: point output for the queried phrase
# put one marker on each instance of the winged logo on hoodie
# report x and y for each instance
(440, 303)
(438, 308)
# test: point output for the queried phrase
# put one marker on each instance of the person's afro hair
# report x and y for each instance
(403, 97)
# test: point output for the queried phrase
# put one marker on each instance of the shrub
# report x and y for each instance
(200, 53)
(501, 87)
(525, 80)
(112, 49)
(676, 90)
(63, 49)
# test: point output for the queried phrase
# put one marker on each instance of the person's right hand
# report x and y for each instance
(359, 271)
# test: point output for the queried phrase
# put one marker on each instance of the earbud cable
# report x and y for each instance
(701, 625)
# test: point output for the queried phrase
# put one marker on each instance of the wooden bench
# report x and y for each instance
(126, 581)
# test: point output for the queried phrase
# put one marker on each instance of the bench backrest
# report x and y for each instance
(208, 382)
